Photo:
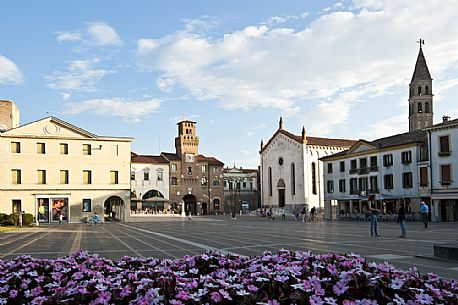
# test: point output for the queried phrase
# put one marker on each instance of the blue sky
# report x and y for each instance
(135, 68)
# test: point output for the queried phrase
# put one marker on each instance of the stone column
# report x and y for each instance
(183, 212)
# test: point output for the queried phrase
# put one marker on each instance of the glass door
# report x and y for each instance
(43, 210)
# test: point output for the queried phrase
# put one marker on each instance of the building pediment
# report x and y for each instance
(361, 146)
(50, 127)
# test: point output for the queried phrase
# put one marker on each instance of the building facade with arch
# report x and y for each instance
(50, 167)
(291, 173)
(149, 180)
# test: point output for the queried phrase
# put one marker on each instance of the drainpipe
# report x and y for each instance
(319, 180)
(431, 189)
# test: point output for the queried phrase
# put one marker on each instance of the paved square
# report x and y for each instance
(248, 235)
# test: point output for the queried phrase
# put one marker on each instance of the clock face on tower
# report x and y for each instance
(189, 158)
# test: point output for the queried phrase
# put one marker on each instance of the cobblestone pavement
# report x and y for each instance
(248, 235)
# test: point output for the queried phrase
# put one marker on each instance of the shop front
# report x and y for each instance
(51, 208)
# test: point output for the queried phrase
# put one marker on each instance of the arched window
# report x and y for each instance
(314, 178)
(293, 179)
(426, 90)
(426, 107)
(419, 90)
(270, 181)
(419, 108)
(174, 181)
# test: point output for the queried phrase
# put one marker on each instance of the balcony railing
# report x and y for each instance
(373, 191)
(363, 170)
(354, 192)
(353, 171)
(373, 168)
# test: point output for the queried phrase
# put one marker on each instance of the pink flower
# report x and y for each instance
(216, 297)
(184, 295)
(273, 302)
(339, 288)
(13, 293)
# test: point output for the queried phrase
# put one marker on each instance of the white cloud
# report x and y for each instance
(65, 96)
(80, 75)
(319, 72)
(9, 72)
(68, 36)
(101, 33)
(383, 128)
(129, 110)
(165, 84)
(95, 33)
(145, 46)
(252, 130)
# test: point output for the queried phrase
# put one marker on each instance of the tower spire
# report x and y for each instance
(420, 94)
(304, 135)
(280, 124)
(421, 71)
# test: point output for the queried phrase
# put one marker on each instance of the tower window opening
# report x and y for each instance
(426, 106)
(419, 108)
(419, 90)
(426, 90)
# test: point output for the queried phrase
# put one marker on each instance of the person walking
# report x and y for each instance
(304, 214)
(61, 218)
(189, 216)
(312, 214)
(283, 216)
(424, 212)
(401, 220)
(374, 215)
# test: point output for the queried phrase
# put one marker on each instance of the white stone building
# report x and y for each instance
(443, 145)
(389, 168)
(241, 188)
(291, 170)
(50, 167)
(149, 180)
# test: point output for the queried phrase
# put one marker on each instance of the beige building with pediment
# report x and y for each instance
(50, 167)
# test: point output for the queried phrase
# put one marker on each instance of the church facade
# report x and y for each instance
(291, 173)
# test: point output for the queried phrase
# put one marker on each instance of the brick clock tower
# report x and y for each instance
(196, 181)
(420, 95)
(187, 142)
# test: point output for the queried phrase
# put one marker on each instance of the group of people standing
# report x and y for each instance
(401, 218)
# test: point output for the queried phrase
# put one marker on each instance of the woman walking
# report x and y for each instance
(402, 219)
(374, 215)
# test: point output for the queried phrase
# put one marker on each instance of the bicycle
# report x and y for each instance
(91, 221)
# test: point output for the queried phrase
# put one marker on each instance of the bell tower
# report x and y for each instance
(187, 141)
(420, 94)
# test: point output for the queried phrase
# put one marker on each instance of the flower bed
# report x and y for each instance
(286, 277)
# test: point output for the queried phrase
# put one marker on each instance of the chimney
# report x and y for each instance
(445, 118)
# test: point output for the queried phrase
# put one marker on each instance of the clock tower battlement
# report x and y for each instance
(187, 141)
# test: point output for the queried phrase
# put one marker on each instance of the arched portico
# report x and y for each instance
(114, 209)
(190, 204)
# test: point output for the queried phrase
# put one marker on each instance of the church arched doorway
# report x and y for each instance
(190, 204)
(281, 192)
(114, 209)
